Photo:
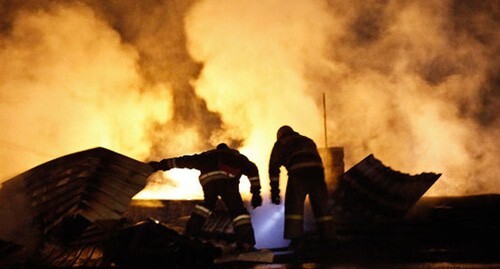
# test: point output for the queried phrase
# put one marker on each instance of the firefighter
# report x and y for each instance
(221, 169)
(299, 155)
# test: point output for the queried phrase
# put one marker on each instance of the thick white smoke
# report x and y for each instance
(68, 83)
(254, 55)
(403, 81)
(413, 83)
(413, 92)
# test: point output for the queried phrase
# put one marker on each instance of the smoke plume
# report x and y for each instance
(415, 83)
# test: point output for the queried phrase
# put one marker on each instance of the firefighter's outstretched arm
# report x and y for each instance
(186, 161)
(165, 164)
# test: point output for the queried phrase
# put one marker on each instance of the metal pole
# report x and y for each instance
(324, 120)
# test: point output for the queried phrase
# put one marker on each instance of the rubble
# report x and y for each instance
(77, 211)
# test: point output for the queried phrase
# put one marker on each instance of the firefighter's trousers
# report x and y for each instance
(302, 182)
(228, 190)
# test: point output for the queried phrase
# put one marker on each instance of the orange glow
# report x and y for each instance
(174, 184)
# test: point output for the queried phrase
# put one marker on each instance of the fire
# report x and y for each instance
(413, 83)
(176, 184)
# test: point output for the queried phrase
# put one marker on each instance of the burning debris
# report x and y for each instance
(69, 212)
(76, 211)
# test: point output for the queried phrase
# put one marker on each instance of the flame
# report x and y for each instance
(176, 184)
(414, 83)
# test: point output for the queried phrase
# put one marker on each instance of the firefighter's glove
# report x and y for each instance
(256, 200)
(275, 196)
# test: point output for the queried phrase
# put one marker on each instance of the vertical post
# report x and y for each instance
(324, 120)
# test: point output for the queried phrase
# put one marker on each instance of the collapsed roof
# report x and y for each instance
(70, 208)
(96, 184)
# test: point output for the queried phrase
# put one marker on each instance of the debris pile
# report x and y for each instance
(77, 211)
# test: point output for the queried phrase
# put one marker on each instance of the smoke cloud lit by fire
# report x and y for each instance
(415, 83)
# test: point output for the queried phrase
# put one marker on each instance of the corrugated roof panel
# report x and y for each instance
(371, 189)
(102, 211)
(72, 184)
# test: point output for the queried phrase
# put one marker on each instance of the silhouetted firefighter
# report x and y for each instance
(221, 169)
(300, 157)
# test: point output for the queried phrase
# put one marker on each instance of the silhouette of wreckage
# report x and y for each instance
(77, 210)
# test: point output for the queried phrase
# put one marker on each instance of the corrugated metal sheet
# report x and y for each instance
(151, 244)
(97, 184)
(374, 191)
(84, 251)
(176, 214)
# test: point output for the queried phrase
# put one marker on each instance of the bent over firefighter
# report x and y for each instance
(221, 169)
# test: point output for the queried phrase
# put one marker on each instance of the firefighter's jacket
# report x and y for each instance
(294, 151)
(218, 163)
(300, 157)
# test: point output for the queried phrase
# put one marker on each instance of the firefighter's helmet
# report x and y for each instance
(283, 130)
(222, 146)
